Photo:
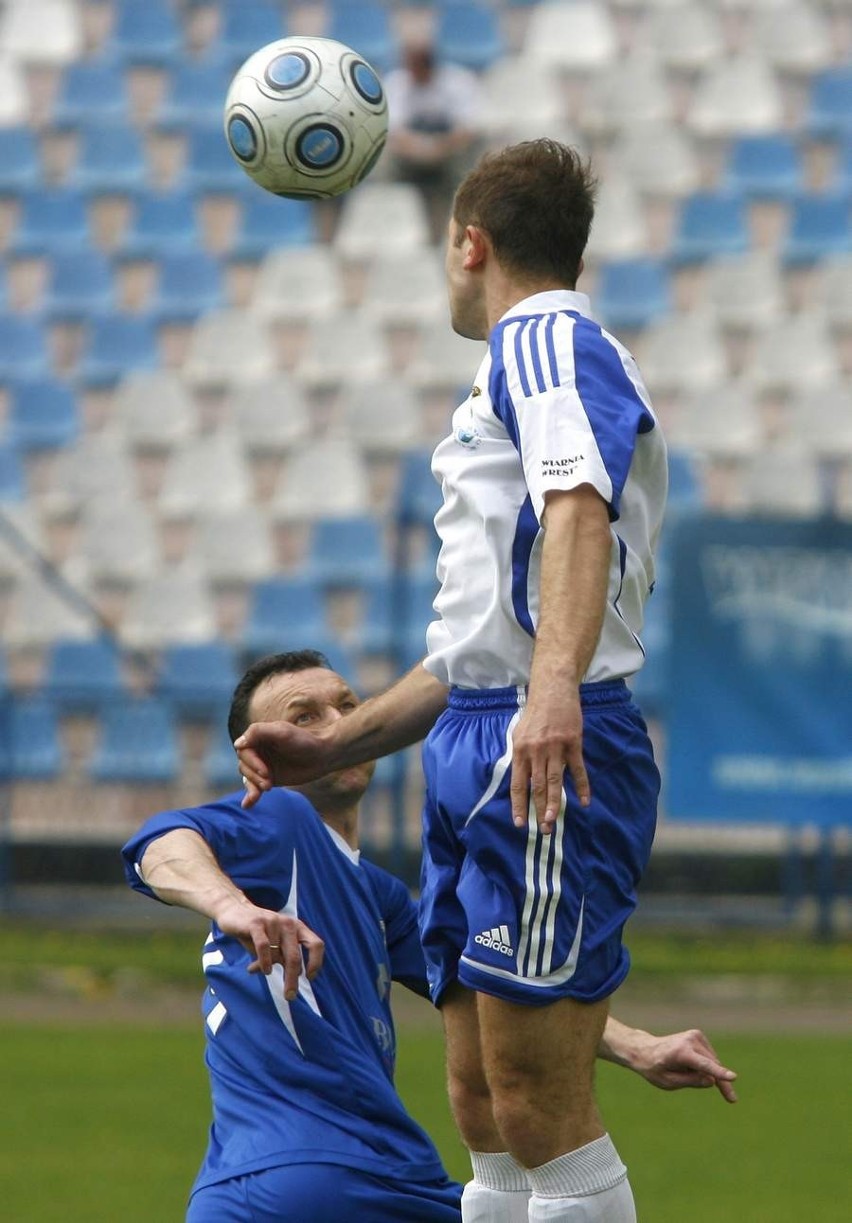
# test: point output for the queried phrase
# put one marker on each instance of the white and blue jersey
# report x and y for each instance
(556, 403)
(308, 1081)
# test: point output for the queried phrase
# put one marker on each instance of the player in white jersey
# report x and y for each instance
(300, 1069)
(554, 485)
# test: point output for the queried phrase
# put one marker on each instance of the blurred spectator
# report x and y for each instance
(434, 126)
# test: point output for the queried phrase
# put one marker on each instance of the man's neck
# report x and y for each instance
(344, 823)
(504, 293)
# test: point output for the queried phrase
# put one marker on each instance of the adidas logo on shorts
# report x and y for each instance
(497, 938)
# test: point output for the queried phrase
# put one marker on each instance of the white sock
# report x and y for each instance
(588, 1185)
(499, 1191)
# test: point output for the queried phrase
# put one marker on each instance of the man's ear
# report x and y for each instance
(476, 248)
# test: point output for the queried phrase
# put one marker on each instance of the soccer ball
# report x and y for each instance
(306, 117)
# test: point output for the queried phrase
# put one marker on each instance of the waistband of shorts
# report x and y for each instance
(473, 700)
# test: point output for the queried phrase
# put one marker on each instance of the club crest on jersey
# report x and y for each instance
(467, 436)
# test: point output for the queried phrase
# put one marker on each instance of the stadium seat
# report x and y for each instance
(111, 159)
(81, 676)
(98, 466)
(379, 218)
(248, 25)
(444, 361)
(146, 32)
(619, 230)
(418, 492)
(344, 488)
(14, 97)
(794, 354)
(345, 552)
(30, 747)
(683, 353)
(717, 422)
(38, 615)
(764, 167)
(341, 349)
(829, 108)
(116, 345)
(228, 347)
(820, 421)
(406, 289)
(23, 348)
(161, 221)
(381, 417)
(832, 293)
(220, 766)
(48, 33)
(272, 415)
(91, 90)
(51, 219)
(171, 608)
(686, 491)
(632, 293)
(578, 37)
(20, 166)
(208, 471)
(189, 284)
(737, 95)
(234, 547)
(397, 613)
(627, 92)
(195, 94)
(154, 410)
(79, 286)
(210, 167)
(298, 283)
(658, 158)
(283, 610)
(21, 535)
(118, 541)
(268, 222)
(519, 90)
(686, 37)
(709, 225)
(468, 33)
(366, 28)
(746, 292)
(137, 742)
(820, 226)
(198, 680)
(782, 480)
(43, 415)
(13, 481)
(795, 37)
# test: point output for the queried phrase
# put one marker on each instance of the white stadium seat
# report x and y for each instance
(210, 471)
(270, 416)
(736, 96)
(381, 217)
(171, 608)
(322, 479)
(297, 283)
(228, 347)
(155, 410)
(577, 37)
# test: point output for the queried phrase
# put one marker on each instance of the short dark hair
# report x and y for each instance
(272, 664)
(535, 200)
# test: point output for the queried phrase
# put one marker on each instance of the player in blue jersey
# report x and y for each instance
(541, 786)
(301, 1065)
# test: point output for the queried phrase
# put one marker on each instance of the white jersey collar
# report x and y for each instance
(550, 301)
(353, 855)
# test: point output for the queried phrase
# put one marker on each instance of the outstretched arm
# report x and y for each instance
(281, 754)
(683, 1059)
(181, 869)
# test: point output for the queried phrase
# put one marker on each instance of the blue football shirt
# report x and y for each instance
(311, 1080)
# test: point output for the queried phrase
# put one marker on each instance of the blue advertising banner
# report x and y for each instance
(760, 723)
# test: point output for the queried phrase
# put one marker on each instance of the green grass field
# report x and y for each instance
(105, 1122)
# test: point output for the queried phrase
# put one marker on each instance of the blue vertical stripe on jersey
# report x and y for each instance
(551, 349)
(519, 360)
(536, 355)
(526, 533)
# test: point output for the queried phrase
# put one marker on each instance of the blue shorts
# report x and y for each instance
(510, 912)
(324, 1193)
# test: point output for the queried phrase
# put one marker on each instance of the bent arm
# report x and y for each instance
(683, 1059)
(279, 753)
(181, 869)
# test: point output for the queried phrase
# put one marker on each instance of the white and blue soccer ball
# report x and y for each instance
(306, 117)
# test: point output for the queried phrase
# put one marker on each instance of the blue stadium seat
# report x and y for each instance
(345, 552)
(92, 90)
(83, 676)
(189, 283)
(30, 746)
(820, 226)
(686, 486)
(51, 219)
(419, 495)
(117, 344)
(195, 95)
(367, 29)
(248, 25)
(210, 166)
(397, 610)
(829, 112)
(267, 221)
(710, 225)
(283, 610)
(468, 33)
(764, 167)
(13, 480)
(843, 177)
(146, 32)
(20, 165)
(631, 293)
(198, 679)
(43, 415)
(80, 285)
(161, 221)
(111, 159)
(137, 742)
(23, 349)
(220, 767)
